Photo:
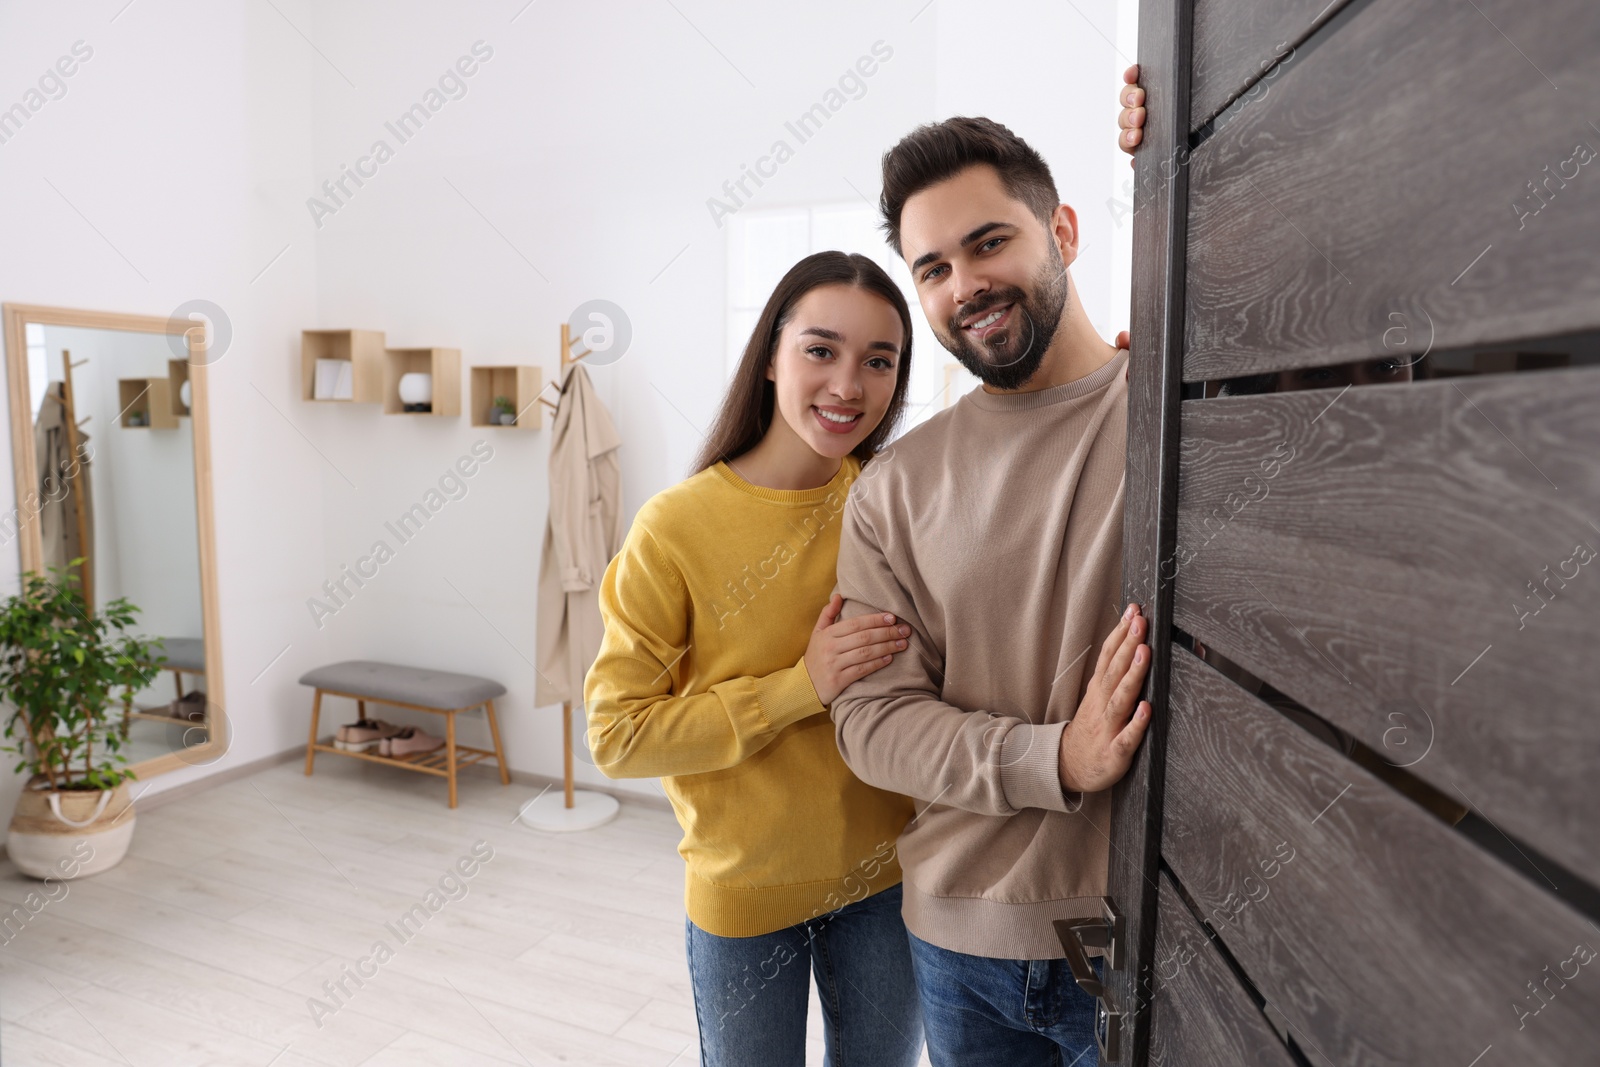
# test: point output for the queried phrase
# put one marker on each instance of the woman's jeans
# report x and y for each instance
(751, 993)
(986, 1012)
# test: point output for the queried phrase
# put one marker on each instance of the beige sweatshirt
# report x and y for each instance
(994, 530)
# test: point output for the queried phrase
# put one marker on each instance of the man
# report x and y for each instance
(994, 530)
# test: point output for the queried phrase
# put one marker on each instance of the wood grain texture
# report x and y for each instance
(1369, 553)
(1150, 493)
(1368, 205)
(1235, 41)
(1380, 934)
(1202, 1016)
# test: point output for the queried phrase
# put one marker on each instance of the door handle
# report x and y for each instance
(1107, 934)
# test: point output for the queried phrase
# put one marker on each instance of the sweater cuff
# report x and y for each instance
(1030, 768)
(787, 696)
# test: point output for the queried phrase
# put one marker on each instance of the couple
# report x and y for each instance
(980, 711)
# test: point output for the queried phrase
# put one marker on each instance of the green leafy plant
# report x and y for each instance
(502, 406)
(59, 669)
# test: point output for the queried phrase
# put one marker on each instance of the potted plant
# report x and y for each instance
(59, 670)
(504, 413)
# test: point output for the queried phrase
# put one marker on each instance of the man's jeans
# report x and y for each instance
(751, 993)
(984, 1012)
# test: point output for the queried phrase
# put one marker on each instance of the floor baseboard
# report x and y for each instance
(476, 770)
(189, 789)
(200, 785)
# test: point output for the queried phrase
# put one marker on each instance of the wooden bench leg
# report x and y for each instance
(450, 752)
(311, 745)
(361, 709)
(499, 753)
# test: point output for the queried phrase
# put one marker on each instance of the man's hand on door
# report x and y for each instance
(1131, 121)
(1099, 742)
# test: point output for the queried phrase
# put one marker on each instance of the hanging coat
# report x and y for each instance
(583, 532)
(62, 485)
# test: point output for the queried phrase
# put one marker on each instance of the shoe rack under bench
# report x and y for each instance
(444, 762)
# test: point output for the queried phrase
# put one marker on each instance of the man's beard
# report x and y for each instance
(1008, 358)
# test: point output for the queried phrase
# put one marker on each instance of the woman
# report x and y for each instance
(716, 675)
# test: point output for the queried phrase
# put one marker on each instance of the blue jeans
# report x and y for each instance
(984, 1012)
(751, 993)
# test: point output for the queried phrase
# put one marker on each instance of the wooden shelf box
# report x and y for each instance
(445, 366)
(152, 398)
(364, 350)
(518, 383)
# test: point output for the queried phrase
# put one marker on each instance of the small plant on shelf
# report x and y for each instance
(504, 412)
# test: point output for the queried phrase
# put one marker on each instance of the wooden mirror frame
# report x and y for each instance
(24, 472)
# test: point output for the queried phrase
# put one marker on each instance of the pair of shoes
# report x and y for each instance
(407, 742)
(364, 735)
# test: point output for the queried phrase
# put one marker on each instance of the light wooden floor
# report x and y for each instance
(236, 904)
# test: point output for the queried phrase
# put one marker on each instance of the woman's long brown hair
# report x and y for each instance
(747, 409)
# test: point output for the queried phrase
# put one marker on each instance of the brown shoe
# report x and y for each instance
(408, 742)
(364, 735)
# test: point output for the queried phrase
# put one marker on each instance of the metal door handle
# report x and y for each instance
(1077, 936)
(1106, 934)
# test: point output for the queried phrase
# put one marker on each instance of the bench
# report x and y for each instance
(438, 692)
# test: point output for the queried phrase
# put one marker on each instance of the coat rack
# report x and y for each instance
(567, 360)
(581, 809)
(66, 400)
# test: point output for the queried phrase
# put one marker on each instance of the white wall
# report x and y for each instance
(172, 169)
(590, 143)
(578, 165)
(1055, 86)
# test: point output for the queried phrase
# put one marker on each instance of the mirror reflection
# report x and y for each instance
(114, 454)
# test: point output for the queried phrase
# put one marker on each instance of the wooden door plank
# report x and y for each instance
(1369, 553)
(1364, 209)
(1236, 41)
(1202, 1016)
(1383, 936)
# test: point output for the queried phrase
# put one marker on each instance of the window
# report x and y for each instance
(38, 365)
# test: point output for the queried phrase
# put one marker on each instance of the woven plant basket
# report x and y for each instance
(69, 833)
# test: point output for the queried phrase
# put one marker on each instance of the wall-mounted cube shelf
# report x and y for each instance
(518, 383)
(146, 404)
(177, 375)
(443, 363)
(363, 349)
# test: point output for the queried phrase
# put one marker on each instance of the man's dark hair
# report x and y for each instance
(930, 154)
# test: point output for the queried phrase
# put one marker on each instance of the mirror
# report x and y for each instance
(111, 450)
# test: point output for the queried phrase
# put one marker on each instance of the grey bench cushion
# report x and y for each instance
(407, 685)
(188, 653)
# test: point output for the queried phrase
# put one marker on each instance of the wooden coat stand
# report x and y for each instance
(67, 401)
(580, 809)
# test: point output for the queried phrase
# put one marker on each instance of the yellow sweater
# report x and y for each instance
(701, 680)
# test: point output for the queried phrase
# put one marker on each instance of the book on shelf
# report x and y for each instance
(333, 379)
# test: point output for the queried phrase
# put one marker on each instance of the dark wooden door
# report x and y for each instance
(1363, 827)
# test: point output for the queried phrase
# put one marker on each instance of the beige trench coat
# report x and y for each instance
(62, 486)
(583, 532)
